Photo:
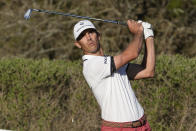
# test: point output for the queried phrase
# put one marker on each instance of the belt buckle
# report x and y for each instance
(135, 124)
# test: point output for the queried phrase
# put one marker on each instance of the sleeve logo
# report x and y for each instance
(105, 60)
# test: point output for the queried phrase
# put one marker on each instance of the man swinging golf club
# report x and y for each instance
(108, 76)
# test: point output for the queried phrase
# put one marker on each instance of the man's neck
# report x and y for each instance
(98, 53)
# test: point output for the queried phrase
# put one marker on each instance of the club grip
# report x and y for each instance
(122, 23)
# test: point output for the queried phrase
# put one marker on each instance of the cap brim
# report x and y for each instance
(79, 34)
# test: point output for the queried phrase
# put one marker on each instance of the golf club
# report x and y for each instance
(29, 11)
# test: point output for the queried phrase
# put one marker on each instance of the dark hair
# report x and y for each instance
(91, 30)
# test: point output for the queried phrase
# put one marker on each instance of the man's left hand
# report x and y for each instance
(148, 32)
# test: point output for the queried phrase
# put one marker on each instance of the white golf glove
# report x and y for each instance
(147, 29)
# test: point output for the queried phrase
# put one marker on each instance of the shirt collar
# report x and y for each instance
(86, 57)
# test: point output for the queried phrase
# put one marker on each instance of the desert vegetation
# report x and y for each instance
(50, 36)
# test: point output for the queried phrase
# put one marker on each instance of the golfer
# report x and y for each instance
(108, 76)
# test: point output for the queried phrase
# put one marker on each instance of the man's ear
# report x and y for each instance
(77, 44)
(99, 36)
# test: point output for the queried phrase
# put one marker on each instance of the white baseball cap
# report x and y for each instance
(81, 26)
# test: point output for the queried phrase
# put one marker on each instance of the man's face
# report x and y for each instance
(89, 41)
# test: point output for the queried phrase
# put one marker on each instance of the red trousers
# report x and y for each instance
(145, 127)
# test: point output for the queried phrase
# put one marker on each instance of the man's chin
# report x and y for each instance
(95, 50)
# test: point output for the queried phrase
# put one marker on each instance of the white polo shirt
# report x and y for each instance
(112, 90)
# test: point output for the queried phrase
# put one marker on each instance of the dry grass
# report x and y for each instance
(49, 36)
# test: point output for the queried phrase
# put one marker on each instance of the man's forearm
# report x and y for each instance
(130, 53)
(150, 62)
(135, 46)
(133, 49)
(144, 57)
(138, 42)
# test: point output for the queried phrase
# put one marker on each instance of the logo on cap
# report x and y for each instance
(81, 23)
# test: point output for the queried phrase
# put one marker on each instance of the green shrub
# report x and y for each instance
(53, 95)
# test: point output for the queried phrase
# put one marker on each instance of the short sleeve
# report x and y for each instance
(102, 66)
(113, 66)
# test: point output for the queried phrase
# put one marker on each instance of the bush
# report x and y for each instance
(53, 95)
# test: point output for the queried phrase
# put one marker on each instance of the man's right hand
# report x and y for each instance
(135, 27)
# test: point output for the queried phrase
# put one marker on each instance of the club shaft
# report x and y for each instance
(83, 17)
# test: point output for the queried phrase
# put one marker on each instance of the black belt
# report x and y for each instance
(133, 124)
